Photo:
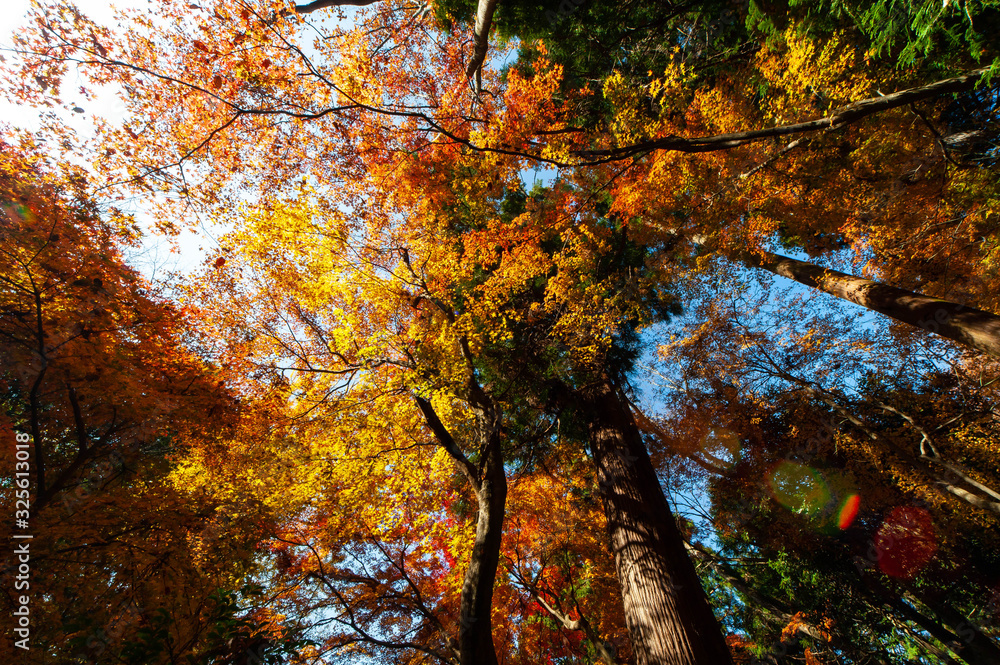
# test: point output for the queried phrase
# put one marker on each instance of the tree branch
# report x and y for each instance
(447, 442)
(839, 118)
(316, 5)
(484, 20)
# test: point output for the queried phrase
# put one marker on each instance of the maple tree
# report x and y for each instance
(426, 349)
(405, 309)
(106, 377)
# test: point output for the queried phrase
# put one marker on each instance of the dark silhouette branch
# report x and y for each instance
(446, 441)
(839, 118)
(316, 5)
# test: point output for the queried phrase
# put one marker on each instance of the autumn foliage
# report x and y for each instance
(479, 364)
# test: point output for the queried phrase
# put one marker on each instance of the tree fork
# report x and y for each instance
(666, 609)
(476, 630)
(489, 482)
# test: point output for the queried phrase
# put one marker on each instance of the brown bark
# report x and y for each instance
(667, 612)
(967, 325)
(489, 482)
(475, 638)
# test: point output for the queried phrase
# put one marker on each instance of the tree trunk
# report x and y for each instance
(481, 36)
(919, 619)
(667, 612)
(948, 625)
(973, 646)
(475, 636)
(489, 482)
(967, 325)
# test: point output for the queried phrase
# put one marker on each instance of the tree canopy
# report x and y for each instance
(640, 333)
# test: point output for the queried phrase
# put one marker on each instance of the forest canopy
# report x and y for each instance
(644, 333)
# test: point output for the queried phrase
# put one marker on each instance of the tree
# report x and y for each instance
(104, 378)
(973, 327)
(665, 606)
(397, 282)
(472, 308)
(810, 460)
(924, 34)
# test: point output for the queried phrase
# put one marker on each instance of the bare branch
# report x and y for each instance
(447, 442)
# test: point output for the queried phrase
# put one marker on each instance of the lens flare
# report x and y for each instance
(906, 542)
(848, 511)
(799, 488)
(721, 447)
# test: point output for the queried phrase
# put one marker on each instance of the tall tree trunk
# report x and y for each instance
(667, 612)
(475, 637)
(961, 323)
(489, 482)
(973, 646)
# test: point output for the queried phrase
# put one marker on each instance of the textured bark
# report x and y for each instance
(961, 323)
(489, 482)
(667, 612)
(481, 37)
(475, 641)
